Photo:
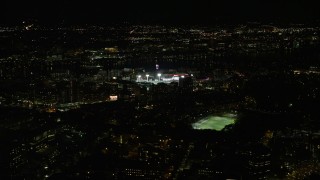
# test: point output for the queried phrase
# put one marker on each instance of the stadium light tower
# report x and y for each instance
(159, 75)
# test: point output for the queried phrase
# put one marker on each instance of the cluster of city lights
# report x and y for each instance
(147, 76)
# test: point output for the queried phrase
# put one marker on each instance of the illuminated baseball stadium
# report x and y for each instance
(215, 122)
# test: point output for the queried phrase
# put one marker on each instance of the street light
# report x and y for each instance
(159, 75)
(139, 77)
(147, 75)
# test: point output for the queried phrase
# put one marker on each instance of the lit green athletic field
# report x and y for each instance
(215, 122)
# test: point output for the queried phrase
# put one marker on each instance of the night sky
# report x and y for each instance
(159, 11)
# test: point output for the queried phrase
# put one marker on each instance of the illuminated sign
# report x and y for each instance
(113, 98)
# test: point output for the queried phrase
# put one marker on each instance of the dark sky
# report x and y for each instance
(159, 11)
